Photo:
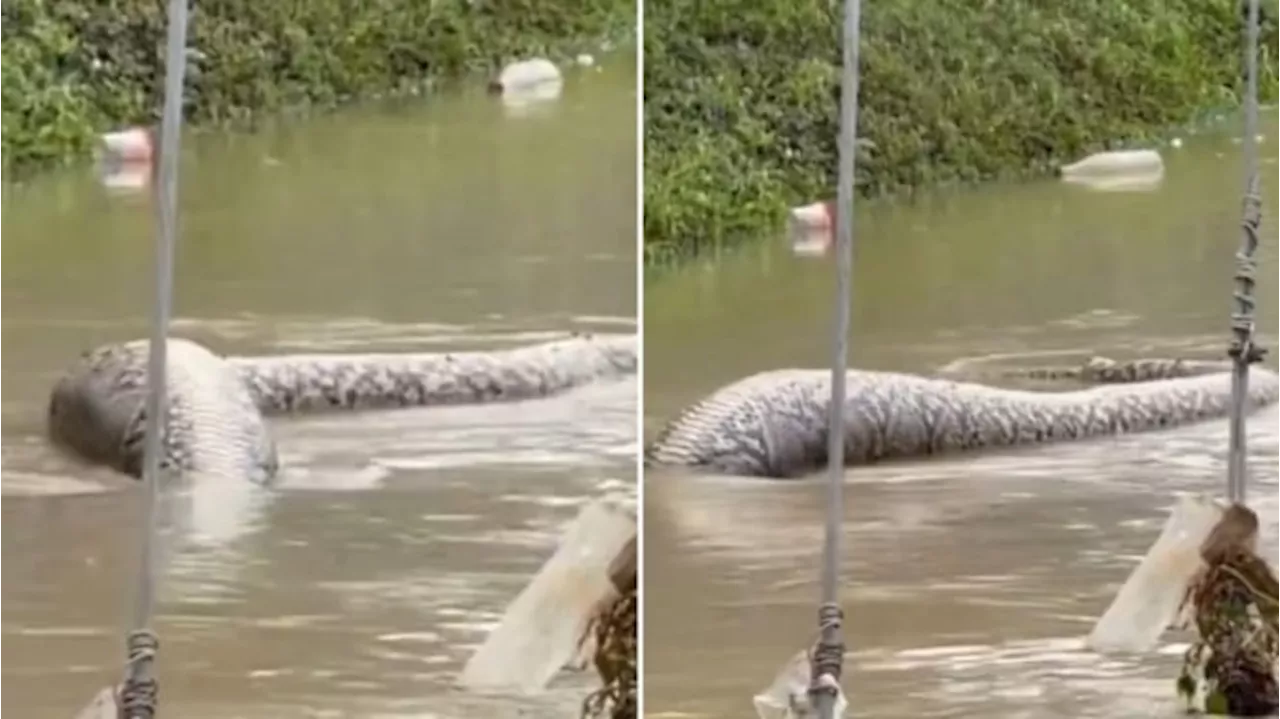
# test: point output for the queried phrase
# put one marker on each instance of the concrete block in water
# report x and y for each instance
(546, 626)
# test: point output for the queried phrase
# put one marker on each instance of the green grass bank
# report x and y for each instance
(741, 97)
(75, 68)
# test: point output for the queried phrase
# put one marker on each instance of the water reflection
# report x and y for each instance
(125, 177)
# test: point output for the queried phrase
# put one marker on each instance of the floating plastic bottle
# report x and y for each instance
(1123, 162)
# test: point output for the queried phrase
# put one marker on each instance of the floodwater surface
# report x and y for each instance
(967, 582)
(395, 540)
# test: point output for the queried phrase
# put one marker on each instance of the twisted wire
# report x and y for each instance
(139, 692)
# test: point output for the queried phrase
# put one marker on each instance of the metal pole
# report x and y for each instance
(1243, 352)
(828, 658)
(139, 690)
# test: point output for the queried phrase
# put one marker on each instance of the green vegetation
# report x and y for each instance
(74, 68)
(741, 97)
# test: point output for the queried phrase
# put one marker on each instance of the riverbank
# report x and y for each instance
(742, 98)
(75, 69)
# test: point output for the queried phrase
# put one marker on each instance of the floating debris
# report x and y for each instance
(133, 145)
(125, 159)
(585, 60)
(1123, 162)
(815, 216)
(528, 84)
(526, 74)
(811, 229)
(1176, 143)
(1122, 171)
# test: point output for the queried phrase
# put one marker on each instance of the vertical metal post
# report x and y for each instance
(1243, 352)
(139, 690)
(828, 658)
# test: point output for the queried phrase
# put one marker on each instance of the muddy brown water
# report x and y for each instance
(967, 582)
(395, 540)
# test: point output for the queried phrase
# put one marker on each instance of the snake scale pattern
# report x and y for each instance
(217, 405)
(774, 424)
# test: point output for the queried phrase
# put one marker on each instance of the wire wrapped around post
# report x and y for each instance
(828, 656)
(139, 690)
(1243, 350)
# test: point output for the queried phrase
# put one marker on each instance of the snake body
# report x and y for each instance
(774, 424)
(1104, 370)
(215, 422)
